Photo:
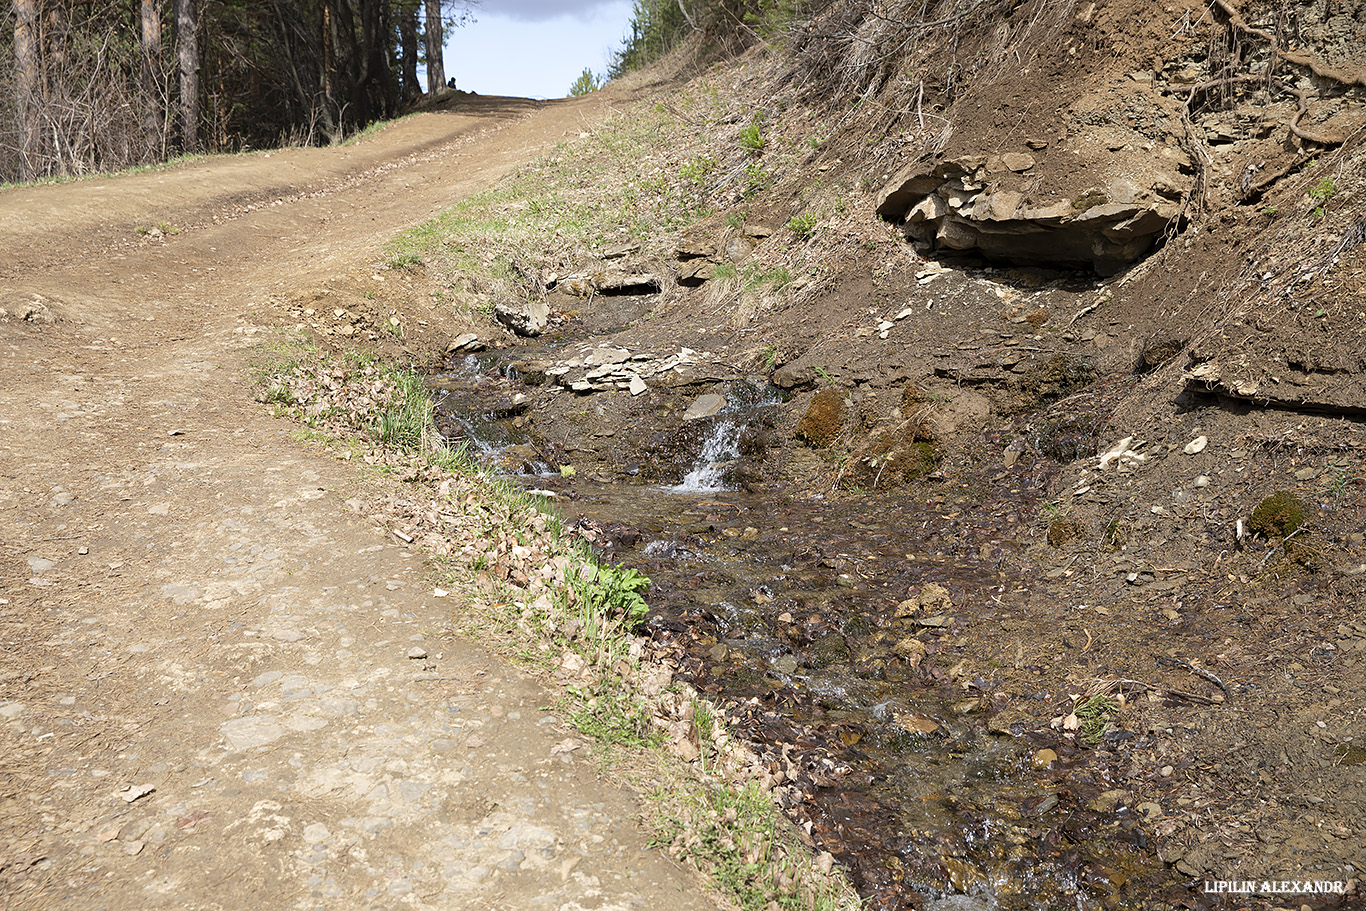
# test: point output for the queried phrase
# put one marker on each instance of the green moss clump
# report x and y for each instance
(1055, 378)
(1089, 200)
(1278, 516)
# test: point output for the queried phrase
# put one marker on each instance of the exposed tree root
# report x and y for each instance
(1357, 79)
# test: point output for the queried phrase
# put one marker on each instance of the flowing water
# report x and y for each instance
(785, 607)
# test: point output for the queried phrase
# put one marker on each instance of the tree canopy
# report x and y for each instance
(101, 85)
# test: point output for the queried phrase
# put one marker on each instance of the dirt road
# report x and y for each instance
(207, 698)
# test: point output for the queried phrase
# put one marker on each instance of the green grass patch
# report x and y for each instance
(738, 838)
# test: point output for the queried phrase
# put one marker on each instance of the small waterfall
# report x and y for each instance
(746, 401)
(720, 448)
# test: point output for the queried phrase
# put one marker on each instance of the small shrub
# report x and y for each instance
(586, 83)
(804, 225)
(1095, 714)
(752, 138)
(1323, 190)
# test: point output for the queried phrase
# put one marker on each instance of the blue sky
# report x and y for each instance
(534, 48)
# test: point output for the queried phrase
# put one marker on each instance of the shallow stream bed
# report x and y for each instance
(832, 626)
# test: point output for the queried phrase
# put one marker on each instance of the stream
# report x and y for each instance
(830, 626)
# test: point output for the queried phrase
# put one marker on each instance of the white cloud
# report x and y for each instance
(540, 10)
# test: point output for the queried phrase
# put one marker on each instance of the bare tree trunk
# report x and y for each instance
(407, 34)
(187, 38)
(153, 137)
(26, 86)
(436, 66)
(684, 10)
(330, 65)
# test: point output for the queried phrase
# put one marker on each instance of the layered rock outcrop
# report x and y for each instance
(963, 205)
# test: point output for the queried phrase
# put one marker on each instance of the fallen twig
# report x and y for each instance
(1197, 671)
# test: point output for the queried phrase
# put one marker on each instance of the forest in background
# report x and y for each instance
(92, 85)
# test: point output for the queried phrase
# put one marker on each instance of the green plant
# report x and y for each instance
(752, 138)
(610, 713)
(775, 277)
(160, 230)
(616, 592)
(1095, 714)
(407, 260)
(757, 179)
(803, 225)
(735, 219)
(586, 83)
(1279, 515)
(739, 838)
(1320, 193)
(697, 168)
(1323, 190)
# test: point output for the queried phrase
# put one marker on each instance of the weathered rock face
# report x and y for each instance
(526, 318)
(960, 205)
(27, 307)
(824, 419)
(705, 247)
(607, 367)
(609, 281)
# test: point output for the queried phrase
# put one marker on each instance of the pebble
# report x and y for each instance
(1106, 802)
(316, 834)
(1044, 758)
(252, 731)
(417, 653)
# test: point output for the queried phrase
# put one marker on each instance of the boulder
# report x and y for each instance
(696, 271)
(525, 318)
(792, 376)
(609, 282)
(27, 307)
